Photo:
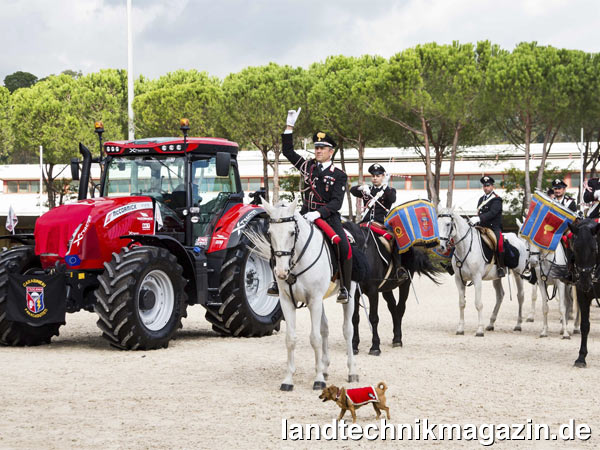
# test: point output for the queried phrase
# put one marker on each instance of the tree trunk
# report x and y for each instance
(276, 175)
(549, 137)
(428, 173)
(49, 182)
(361, 178)
(451, 170)
(527, 155)
(348, 195)
(265, 173)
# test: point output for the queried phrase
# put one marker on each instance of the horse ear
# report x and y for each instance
(265, 204)
(573, 228)
(293, 206)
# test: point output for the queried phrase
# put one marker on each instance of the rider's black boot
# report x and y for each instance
(345, 280)
(500, 265)
(273, 290)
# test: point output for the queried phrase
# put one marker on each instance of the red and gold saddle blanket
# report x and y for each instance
(361, 396)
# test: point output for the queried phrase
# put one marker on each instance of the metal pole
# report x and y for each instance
(130, 124)
(581, 171)
(41, 175)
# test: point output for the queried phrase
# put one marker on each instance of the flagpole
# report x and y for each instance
(130, 125)
(41, 175)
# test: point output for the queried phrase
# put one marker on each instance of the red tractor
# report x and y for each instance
(138, 261)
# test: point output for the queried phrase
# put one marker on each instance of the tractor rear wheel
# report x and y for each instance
(247, 310)
(141, 298)
(22, 259)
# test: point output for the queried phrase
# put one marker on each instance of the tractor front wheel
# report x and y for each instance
(20, 260)
(141, 298)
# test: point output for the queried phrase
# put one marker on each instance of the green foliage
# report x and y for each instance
(514, 181)
(290, 185)
(19, 80)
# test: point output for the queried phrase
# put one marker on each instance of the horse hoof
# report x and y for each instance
(460, 333)
(580, 364)
(318, 385)
(543, 335)
(480, 334)
(374, 352)
(566, 337)
(489, 328)
(286, 387)
(529, 319)
(397, 344)
(517, 328)
(353, 378)
(576, 332)
(355, 351)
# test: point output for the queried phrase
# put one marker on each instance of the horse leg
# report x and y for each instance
(289, 314)
(577, 322)
(348, 329)
(355, 322)
(462, 301)
(584, 307)
(499, 296)
(545, 309)
(315, 306)
(531, 315)
(398, 314)
(520, 299)
(562, 306)
(479, 306)
(374, 320)
(325, 340)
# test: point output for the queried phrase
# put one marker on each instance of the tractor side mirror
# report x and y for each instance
(75, 169)
(223, 163)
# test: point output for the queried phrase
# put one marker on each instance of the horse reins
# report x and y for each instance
(459, 262)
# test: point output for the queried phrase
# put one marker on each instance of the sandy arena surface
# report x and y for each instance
(205, 391)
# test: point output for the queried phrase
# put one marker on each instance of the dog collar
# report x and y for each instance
(339, 391)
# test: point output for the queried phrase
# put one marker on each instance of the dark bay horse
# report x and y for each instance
(585, 273)
(414, 261)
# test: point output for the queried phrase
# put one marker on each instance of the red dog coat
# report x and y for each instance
(361, 396)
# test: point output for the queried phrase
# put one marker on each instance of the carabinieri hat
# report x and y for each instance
(486, 180)
(376, 169)
(558, 183)
(321, 139)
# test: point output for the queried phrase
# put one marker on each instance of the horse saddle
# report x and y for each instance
(383, 236)
(489, 243)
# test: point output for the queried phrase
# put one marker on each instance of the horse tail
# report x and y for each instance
(421, 264)
(381, 385)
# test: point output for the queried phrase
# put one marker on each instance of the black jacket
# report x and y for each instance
(569, 202)
(323, 192)
(383, 205)
(490, 214)
(588, 197)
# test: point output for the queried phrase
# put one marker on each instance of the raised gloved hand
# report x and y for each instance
(365, 188)
(474, 220)
(292, 117)
(312, 216)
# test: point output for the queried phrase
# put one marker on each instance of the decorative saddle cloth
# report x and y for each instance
(362, 396)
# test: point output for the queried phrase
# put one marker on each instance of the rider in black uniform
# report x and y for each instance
(489, 215)
(558, 187)
(323, 188)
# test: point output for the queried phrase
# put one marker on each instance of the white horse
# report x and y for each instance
(301, 259)
(469, 265)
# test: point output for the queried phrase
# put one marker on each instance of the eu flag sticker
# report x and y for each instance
(72, 260)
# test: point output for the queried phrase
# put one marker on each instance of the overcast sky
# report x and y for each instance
(223, 36)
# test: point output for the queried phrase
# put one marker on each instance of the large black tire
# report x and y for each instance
(246, 310)
(131, 321)
(16, 333)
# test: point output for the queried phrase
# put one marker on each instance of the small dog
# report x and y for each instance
(351, 399)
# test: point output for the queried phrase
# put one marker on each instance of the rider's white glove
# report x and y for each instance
(597, 195)
(312, 216)
(386, 179)
(365, 188)
(474, 220)
(292, 117)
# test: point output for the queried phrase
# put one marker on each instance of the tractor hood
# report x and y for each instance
(84, 234)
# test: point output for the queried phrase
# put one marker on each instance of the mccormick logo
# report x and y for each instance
(34, 298)
(122, 210)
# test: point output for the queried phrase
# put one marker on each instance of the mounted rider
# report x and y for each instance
(322, 186)
(378, 199)
(591, 194)
(560, 196)
(489, 215)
